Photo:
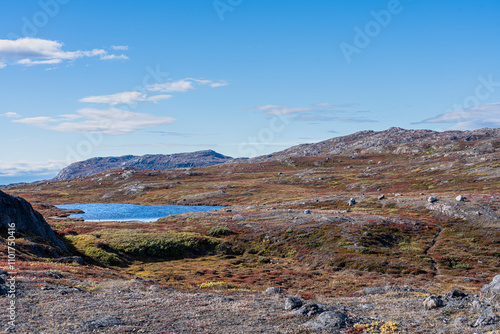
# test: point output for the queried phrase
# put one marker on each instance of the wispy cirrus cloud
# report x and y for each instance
(318, 112)
(480, 116)
(11, 115)
(120, 47)
(275, 110)
(124, 98)
(310, 117)
(36, 51)
(111, 121)
(183, 85)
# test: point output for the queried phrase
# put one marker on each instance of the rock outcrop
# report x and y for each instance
(17, 211)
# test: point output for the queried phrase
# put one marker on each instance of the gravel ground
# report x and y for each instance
(134, 306)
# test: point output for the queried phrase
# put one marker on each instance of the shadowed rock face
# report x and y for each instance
(18, 211)
(150, 162)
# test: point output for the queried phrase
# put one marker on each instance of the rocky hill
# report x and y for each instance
(397, 141)
(25, 219)
(150, 161)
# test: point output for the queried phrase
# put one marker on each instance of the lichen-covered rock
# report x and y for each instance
(308, 309)
(432, 199)
(328, 320)
(433, 302)
(292, 303)
(272, 291)
(490, 293)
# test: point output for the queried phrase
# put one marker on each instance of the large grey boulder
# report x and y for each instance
(292, 303)
(490, 293)
(328, 320)
(433, 302)
(17, 211)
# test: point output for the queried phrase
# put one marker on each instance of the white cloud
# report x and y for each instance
(113, 57)
(323, 105)
(123, 98)
(184, 85)
(11, 115)
(302, 114)
(110, 121)
(481, 116)
(156, 98)
(29, 62)
(36, 51)
(15, 168)
(276, 110)
(119, 47)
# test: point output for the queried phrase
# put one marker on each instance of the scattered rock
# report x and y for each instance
(308, 309)
(487, 320)
(292, 303)
(373, 290)
(477, 304)
(455, 294)
(238, 217)
(381, 197)
(432, 302)
(69, 291)
(351, 202)
(490, 293)
(460, 198)
(432, 199)
(103, 322)
(223, 299)
(273, 291)
(460, 321)
(154, 288)
(328, 320)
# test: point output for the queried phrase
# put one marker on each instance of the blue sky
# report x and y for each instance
(80, 79)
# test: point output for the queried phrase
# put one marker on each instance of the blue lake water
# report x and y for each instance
(131, 212)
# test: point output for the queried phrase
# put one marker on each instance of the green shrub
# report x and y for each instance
(165, 245)
(218, 231)
(88, 245)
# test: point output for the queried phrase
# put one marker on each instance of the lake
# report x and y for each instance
(131, 212)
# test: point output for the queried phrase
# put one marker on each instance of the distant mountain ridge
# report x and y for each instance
(396, 141)
(150, 161)
(393, 141)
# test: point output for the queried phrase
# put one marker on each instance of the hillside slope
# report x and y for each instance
(150, 161)
(397, 141)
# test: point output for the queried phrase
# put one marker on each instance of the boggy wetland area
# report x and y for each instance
(348, 236)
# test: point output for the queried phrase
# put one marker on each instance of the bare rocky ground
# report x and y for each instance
(138, 306)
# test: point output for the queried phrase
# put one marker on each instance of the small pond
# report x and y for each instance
(131, 212)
